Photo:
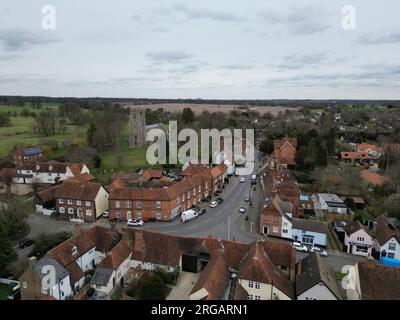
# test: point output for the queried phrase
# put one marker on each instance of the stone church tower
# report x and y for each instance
(137, 124)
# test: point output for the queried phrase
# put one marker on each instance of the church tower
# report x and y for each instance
(137, 124)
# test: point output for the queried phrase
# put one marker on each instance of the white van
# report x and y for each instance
(188, 215)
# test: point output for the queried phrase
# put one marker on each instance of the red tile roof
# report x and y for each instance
(373, 178)
(116, 256)
(152, 174)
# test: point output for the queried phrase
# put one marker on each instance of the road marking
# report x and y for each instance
(192, 227)
(208, 220)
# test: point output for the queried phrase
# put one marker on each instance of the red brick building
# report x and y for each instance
(164, 204)
(28, 155)
(285, 151)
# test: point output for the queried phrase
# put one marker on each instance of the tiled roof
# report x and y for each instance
(315, 270)
(378, 282)
(75, 272)
(310, 225)
(385, 230)
(280, 143)
(364, 147)
(372, 177)
(79, 190)
(116, 256)
(257, 266)
(152, 174)
(356, 226)
(353, 155)
(104, 238)
(214, 278)
(7, 173)
(63, 252)
(76, 168)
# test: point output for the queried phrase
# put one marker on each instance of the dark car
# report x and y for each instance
(207, 199)
(202, 211)
(26, 243)
(219, 200)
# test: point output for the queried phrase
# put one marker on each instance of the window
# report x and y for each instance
(257, 298)
(88, 212)
(60, 200)
(128, 204)
(285, 224)
(71, 210)
(158, 204)
(194, 191)
(361, 249)
(361, 239)
(61, 209)
(250, 297)
(199, 188)
(275, 229)
(308, 239)
(69, 201)
(87, 203)
(284, 231)
(138, 204)
(390, 255)
(257, 285)
(158, 215)
(138, 215)
(118, 214)
(206, 185)
(183, 197)
(117, 204)
(188, 195)
(392, 246)
(251, 284)
(78, 202)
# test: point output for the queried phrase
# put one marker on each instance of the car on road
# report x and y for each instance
(318, 250)
(247, 198)
(213, 204)
(242, 209)
(189, 215)
(105, 214)
(300, 247)
(202, 211)
(135, 223)
(242, 180)
(220, 200)
(26, 243)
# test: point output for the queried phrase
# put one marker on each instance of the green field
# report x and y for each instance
(20, 132)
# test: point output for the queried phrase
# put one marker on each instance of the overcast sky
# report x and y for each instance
(201, 49)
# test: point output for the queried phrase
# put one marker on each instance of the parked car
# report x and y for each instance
(220, 200)
(207, 199)
(106, 214)
(135, 223)
(202, 211)
(242, 179)
(213, 204)
(189, 215)
(321, 252)
(300, 247)
(242, 209)
(26, 243)
(247, 198)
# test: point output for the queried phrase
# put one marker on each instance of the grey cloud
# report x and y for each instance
(237, 67)
(169, 56)
(380, 38)
(196, 13)
(299, 20)
(21, 40)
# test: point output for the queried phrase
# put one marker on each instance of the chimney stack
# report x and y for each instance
(77, 229)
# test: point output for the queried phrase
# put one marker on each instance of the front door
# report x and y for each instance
(128, 215)
(265, 231)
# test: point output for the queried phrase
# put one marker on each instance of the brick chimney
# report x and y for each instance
(77, 229)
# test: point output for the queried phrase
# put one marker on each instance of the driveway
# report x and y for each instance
(185, 283)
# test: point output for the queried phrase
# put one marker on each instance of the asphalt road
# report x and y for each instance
(225, 221)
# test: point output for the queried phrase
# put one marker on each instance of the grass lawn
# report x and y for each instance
(20, 132)
(5, 290)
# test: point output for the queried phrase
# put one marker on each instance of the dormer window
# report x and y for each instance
(74, 250)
